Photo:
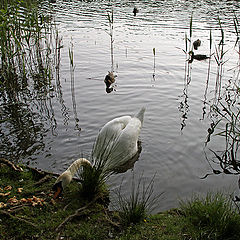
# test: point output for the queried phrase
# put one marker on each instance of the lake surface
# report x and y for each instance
(176, 118)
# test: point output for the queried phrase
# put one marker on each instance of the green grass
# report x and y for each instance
(136, 208)
(212, 217)
(92, 182)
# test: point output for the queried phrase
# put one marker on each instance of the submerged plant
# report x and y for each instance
(213, 216)
(139, 204)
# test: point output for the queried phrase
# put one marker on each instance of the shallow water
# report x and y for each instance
(175, 129)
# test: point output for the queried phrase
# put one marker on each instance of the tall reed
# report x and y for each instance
(26, 47)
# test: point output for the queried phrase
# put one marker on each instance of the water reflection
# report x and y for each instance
(72, 68)
(225, 114)
(21, 133)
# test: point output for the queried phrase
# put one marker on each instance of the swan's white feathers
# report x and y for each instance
(117, 140)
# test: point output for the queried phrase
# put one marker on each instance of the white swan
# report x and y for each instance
(117, 141)
(115, 145)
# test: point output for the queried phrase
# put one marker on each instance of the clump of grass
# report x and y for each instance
(140, 203)
(213, 216)
(92, 182)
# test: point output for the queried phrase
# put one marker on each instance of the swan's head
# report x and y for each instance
(62, 181)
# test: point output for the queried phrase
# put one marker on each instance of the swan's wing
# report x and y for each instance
(125, 146)
(107, 138)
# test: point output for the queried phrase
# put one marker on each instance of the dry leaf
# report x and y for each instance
(23, 200)
(2, 205)
(4, 194)
(13, 200)
(19, 190)
(8, 187)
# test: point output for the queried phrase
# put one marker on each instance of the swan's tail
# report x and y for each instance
(140, 114)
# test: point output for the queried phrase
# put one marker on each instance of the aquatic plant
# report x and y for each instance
(154, 62)
(211, 217)
(110, 17)
(225, 114)
(26, 47)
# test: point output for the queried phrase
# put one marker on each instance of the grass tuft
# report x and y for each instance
(213, 217)
(92, 182)
(141, 202)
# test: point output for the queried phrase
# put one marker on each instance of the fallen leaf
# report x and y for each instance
(8, 187)
(13, 200)
(19, 190)
(2, 205)
(23, 200)
(4, 194)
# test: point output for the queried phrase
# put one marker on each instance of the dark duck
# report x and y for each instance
(198, 57)
(109, 80)
(196, 44)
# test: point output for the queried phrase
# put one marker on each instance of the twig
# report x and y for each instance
(18, 207)
(18, 218)
(110, 221)
(11, 165)
(77, 213)
(42, 180)
(65, 208)
(58, 236)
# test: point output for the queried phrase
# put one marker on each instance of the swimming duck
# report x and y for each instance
(116, 144)
(109, 79)
(196, 44)
(198, 57)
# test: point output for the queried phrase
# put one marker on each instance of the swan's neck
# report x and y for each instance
(73, 168)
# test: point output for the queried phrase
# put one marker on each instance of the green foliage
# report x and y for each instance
(26, 47)
(212, 217)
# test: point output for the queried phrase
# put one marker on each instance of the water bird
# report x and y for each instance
(116, 144)
(135, 11)
(109, 80)
(196, 44)
(198, 57)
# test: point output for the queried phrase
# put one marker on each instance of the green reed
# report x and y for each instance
(26, 47)
(110, 17)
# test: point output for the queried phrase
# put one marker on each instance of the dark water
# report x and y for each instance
(52, 129)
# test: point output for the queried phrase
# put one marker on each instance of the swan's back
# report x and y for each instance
(117, 140)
